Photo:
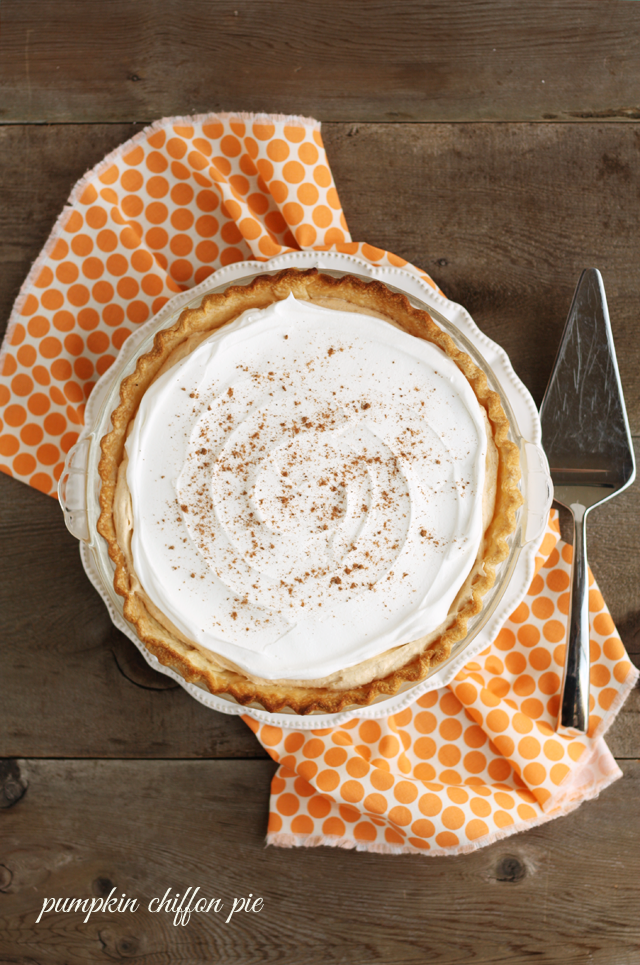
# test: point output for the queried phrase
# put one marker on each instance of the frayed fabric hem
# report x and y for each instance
(281, 839)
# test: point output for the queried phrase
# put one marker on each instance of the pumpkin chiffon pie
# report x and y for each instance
(306, 492)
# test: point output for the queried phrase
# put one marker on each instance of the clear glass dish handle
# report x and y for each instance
(539, 492)
(72, 490)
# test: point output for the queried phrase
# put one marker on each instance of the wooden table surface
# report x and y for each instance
(495, 144)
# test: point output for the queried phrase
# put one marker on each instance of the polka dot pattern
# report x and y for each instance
(158, 216)
(476, 759)
(470, 762)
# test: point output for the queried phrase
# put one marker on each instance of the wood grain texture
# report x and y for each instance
(504, 216)
(145, 826)
(70, 683)
(74, 686)
(368, 60)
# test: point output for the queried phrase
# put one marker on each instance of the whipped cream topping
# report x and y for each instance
(306, 489)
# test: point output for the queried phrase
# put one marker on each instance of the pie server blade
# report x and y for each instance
(585, 434)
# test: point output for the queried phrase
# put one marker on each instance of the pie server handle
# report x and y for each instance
(574, 697)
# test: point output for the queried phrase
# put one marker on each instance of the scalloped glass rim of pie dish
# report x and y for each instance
(195, 664)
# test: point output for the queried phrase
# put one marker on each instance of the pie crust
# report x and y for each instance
(193, 662)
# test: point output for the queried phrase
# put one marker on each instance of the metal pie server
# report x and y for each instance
(585, 433)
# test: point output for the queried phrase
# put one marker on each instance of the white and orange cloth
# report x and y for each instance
(468, 763)
(157, 216)
(463, 765)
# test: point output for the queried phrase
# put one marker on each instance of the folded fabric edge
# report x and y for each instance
(565, 791)
(629, 683)
(287, 840)
(185, 119)
(571, 790)
(106, 163)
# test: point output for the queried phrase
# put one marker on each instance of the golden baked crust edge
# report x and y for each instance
(217, 309)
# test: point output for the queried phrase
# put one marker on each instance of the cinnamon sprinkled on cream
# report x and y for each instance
(320, 505)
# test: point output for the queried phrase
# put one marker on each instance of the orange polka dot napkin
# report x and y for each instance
(463, 765)
(468, 763)
(157, 216)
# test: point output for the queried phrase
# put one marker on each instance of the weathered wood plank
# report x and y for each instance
(74, 686)
(503, 216)
(515, 211)
(566, 891)
(367, 60)
(69, 678)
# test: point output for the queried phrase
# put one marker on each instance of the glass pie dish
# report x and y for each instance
(80, 483)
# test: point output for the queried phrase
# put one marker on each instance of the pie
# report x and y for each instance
(306, 492)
